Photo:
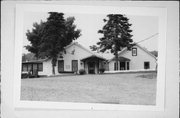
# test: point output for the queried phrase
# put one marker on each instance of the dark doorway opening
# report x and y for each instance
(74, 65)
(91, 67)
(122, 66)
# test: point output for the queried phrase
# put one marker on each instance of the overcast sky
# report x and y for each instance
(142, 26)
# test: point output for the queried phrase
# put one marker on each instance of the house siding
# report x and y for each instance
(79, 53)
(47, 68)
(136, 62)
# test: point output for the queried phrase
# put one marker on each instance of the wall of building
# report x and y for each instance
(47, 68)
(79, 53)
(136, 62)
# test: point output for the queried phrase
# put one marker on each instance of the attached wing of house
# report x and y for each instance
(81, 58)
(75, 58)
(138, 58)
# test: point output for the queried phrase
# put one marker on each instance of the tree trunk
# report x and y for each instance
(53, 69)
(53, 66)
(116, 59)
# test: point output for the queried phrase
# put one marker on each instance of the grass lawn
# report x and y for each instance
(129, 88)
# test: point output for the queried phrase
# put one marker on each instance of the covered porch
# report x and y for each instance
(93, 64)
(122, 64)
(32, 66)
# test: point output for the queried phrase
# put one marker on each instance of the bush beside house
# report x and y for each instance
(82, 72)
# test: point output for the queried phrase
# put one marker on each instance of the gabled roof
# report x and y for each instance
(80, 46)
(74, 43)
(122, 59)
(93, 56)
(125, 49)
(146, 51)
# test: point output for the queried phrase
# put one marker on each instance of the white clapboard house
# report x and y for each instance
(138, 58)
(77, 57)
(74, 58)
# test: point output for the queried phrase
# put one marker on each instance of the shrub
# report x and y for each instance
(82, 72)
(101, 70)
(30, 75)
(24, 75)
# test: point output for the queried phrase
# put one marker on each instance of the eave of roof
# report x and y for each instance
(93, 56)
(35, 61)
(146, 51)
(79, 45)
(125, 49)
(121, 59)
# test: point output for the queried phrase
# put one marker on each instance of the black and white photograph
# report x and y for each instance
(89, 58)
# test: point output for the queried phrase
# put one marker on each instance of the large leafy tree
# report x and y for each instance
(28, 57)
(116, 34)
(71, 32)
(35, 37)
(56, 34)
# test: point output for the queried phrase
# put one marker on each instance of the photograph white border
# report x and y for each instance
(144, 11)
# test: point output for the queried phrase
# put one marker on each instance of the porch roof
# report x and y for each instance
(93, 56)
(121, 59)
(34, 61)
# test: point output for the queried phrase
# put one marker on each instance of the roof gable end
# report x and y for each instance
(125, 49)
(80, 46)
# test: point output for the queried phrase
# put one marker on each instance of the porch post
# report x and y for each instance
(118, 65)
(98, 67)
(86, 67)
(125, 65)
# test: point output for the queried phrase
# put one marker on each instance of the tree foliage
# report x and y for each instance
(53, 36)
(94, 48)
(35, 38)
(116, 34)
(71, 32)
(155, 53)
(28, 57)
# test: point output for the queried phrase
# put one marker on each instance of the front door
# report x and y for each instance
(74, 65)
(122, 66)
(60, 66)
(91, 67)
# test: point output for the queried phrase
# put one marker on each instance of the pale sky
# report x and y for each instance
(142, 26)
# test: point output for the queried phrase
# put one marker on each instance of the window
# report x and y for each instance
(35, 66)
(40, 67)
(29, 67)
(134, 51)
(127, 65)
(115, 66)
(146, 65)
(24, 67)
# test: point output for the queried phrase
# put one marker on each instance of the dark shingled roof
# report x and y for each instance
(92, 56)
(121, 59)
